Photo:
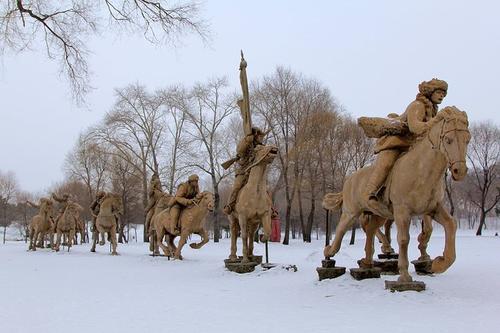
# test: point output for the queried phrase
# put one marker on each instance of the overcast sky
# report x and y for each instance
(371, 54)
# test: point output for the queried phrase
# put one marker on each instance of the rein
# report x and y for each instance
(442, 134)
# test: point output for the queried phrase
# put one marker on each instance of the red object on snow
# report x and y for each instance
(275, 226)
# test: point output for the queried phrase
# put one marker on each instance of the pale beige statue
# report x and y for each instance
(408, 178)
(41, 224)
(154, 194)
(161, 204)
(66, 224)
(191, 221)
(111, 207)
(249, 205)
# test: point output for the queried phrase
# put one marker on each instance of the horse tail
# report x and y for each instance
(333, 201)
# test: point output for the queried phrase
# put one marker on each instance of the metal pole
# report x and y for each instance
(267, 253)
(327, 228)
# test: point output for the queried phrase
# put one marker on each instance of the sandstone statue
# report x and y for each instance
(184, 196)
(154, 194)
(66, 224)
(111, 207)
(249, 205)
(191, 221)
(41, 224)
(161, 204)
(414, 185)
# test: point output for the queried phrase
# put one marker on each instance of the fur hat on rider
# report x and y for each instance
(426, 88)
(193, 178)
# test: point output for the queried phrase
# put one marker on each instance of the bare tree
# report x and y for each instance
(8, 190)
(176, 101)
(135, 129)
(64, 28)
(207, 114)
(484, 156)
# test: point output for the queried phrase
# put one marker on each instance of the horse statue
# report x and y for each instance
(41, 224)
(423, 237)
(192, 220)
(106, 221)
(66, 225)
(414, 187)
(253, 206)
(160, 206)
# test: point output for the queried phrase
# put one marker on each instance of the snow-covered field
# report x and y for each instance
(80, 291)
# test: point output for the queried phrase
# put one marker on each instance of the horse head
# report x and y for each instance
(451, 136)
(206, 198)
(264, 154)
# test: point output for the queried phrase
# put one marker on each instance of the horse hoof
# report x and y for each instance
(102, 243)
(114, 253)
(405, 278)
(92, 250)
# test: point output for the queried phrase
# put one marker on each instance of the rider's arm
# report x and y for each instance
(416, 116)
(244, 144)
(180, 195)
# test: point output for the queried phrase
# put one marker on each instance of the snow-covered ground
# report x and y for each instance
(80, 291)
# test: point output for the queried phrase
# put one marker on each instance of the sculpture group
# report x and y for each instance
(413, 151)
(407, 179)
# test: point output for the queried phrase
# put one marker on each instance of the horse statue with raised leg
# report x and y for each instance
(415, 187)
(41, 224)
(192, 221)
(106, 221)
(253, 206)
(66, 225)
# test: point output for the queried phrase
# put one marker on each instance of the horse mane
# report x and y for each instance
(454, 113)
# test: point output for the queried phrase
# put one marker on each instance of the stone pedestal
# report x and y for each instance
(239, 267)
(388, 267)
(328, 270)
(365, 273)
(404, 286)
(257, 259)
(423, 267)
(388, 256)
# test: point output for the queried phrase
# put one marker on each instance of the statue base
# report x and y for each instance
(388, 256)
(365, 273)
(423, 267)
(257, 259)
(267, 265)
(328, 270)
(241, 268)
(388, 267)
(404, 286)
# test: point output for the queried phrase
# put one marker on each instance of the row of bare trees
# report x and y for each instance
(181, 130)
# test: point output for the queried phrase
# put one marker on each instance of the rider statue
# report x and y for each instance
(245, 150)
(95, 207)
(63, 203)
(154, 194)
(184, 196)
(419, 116)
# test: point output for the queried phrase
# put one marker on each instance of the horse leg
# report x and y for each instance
(402, 219)
(244, 237)
(345, 223)
(159, 243)
(423, 238)
(51, 238)
(182, 241)
(233, 224)
(34, 236)
(386, 247)
(252, 229)
(372, 225)
(171, 244)
(114, 242)
(94, 240)
(204, 239)
(442, 263)
(71, 237)
(58, 241)
(103, 237)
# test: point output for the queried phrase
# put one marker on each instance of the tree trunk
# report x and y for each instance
(144, 200)
(482, 219)
(4, 232)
